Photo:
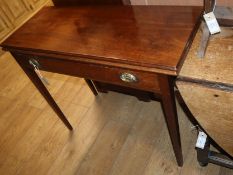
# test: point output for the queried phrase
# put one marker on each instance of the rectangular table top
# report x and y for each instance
(149, 36)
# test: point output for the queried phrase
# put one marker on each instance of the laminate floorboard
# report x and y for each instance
(114, 134)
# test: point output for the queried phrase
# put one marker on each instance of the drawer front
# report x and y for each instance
(130, 78)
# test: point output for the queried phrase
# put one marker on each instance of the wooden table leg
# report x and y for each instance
(91, 86)
(44, 92)
(170, 113)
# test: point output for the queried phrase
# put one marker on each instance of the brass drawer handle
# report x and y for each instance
(128, 77)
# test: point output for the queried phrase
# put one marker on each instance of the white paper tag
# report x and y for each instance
(201, 140)
(212, 23)
(42, 78)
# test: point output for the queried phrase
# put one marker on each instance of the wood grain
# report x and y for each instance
(214, 113)
(34, 141)
(207, 85)
(217, 65)
(92, 34)
(148, 36)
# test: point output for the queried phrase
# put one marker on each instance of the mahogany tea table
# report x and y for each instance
(141, 47)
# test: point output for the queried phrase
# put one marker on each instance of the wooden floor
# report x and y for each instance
(114, 134)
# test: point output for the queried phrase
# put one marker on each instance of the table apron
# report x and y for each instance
(108, 74)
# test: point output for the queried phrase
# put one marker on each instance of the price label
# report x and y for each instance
(201, 140)
(212, 23)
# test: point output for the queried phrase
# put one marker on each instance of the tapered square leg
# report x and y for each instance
(44, 92)
(91, 85)
(170, 113)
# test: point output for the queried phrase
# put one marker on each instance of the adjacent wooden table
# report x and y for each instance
(210, 82)
(141, 47)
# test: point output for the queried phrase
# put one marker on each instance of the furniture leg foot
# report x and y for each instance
(170, 114)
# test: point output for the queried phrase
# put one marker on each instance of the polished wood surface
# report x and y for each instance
(95, 86)
(99, 43)
(131, 141)
(169, 108)
(145, 80)
(152, 36)
(161, 85)
(210, 82)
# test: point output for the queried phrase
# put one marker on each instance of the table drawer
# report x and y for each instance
(113, 75)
